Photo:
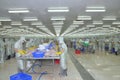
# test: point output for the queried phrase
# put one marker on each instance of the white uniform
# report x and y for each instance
(116, 44)
(18, 45)
(63, 63)
(63, 56)
(29, 44)
(8, 47)
(12, 46)
(2, 51)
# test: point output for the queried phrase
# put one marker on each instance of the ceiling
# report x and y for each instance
(104, 22)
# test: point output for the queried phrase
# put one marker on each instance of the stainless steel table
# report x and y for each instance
(34, 60)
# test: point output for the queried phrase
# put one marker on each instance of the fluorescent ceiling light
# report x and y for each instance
(41, 26)
(23, 26)
(57, 23)
(78, 22)
(18, 10)
(116, 22)
(109, 18)
(106, 26)
(16, 23)
(84, 18)
(58, 9)
(58, 18)
(36, 23)
(72, 26)
(97, 22)
(2, 29)
(118, 25)
(7, 27)
(30, 19)
(90, 26)
(57, 34)
(57, 26)
(95, 9)
(4, 19)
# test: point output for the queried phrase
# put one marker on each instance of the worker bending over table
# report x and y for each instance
(19, 46)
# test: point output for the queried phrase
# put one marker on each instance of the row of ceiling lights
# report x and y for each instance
(65, 9)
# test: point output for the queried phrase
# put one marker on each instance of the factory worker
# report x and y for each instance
(116, 40)
(2, 50)
(63, 49)
(8, 49)
(28, 45)
(116, 48)
(19, 46)
(12, 48)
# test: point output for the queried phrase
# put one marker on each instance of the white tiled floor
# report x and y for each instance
(100, 65)
(10, 67)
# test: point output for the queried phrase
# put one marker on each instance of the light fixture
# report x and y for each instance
(109, 18)
(84, 18)
(58, 18)
(95, 9)
(78, 22)
(57, 26)
(41, 26)
(30, 19)
(1, 29)
(7, 27)
(23, 26)
(74, 25)
(118, 25)
(18, 10)
(97, 22)
(5, 19)
(57, 23)
(16, 23)
(116, 22)
(90, 26)
(58, 9)
(105, 26)
(36, 23)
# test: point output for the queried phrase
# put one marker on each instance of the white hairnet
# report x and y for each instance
(22, 39)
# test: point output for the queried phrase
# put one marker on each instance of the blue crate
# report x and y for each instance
(21, 76)
(38, 54)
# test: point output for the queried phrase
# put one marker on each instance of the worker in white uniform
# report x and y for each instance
(19, 46)
(8, 49)
(2, 50)
(12, 47)
(63, 49)
(28, 45)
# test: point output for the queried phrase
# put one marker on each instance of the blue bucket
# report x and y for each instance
(21, 76)
(38, 54)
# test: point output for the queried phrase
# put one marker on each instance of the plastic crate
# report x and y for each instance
(57, 61)
(21, 76)
(77, 52)
(38, 54)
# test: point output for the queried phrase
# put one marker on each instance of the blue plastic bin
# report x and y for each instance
(38, 54)
(21, 76)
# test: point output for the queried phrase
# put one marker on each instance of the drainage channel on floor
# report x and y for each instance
(83, 72)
